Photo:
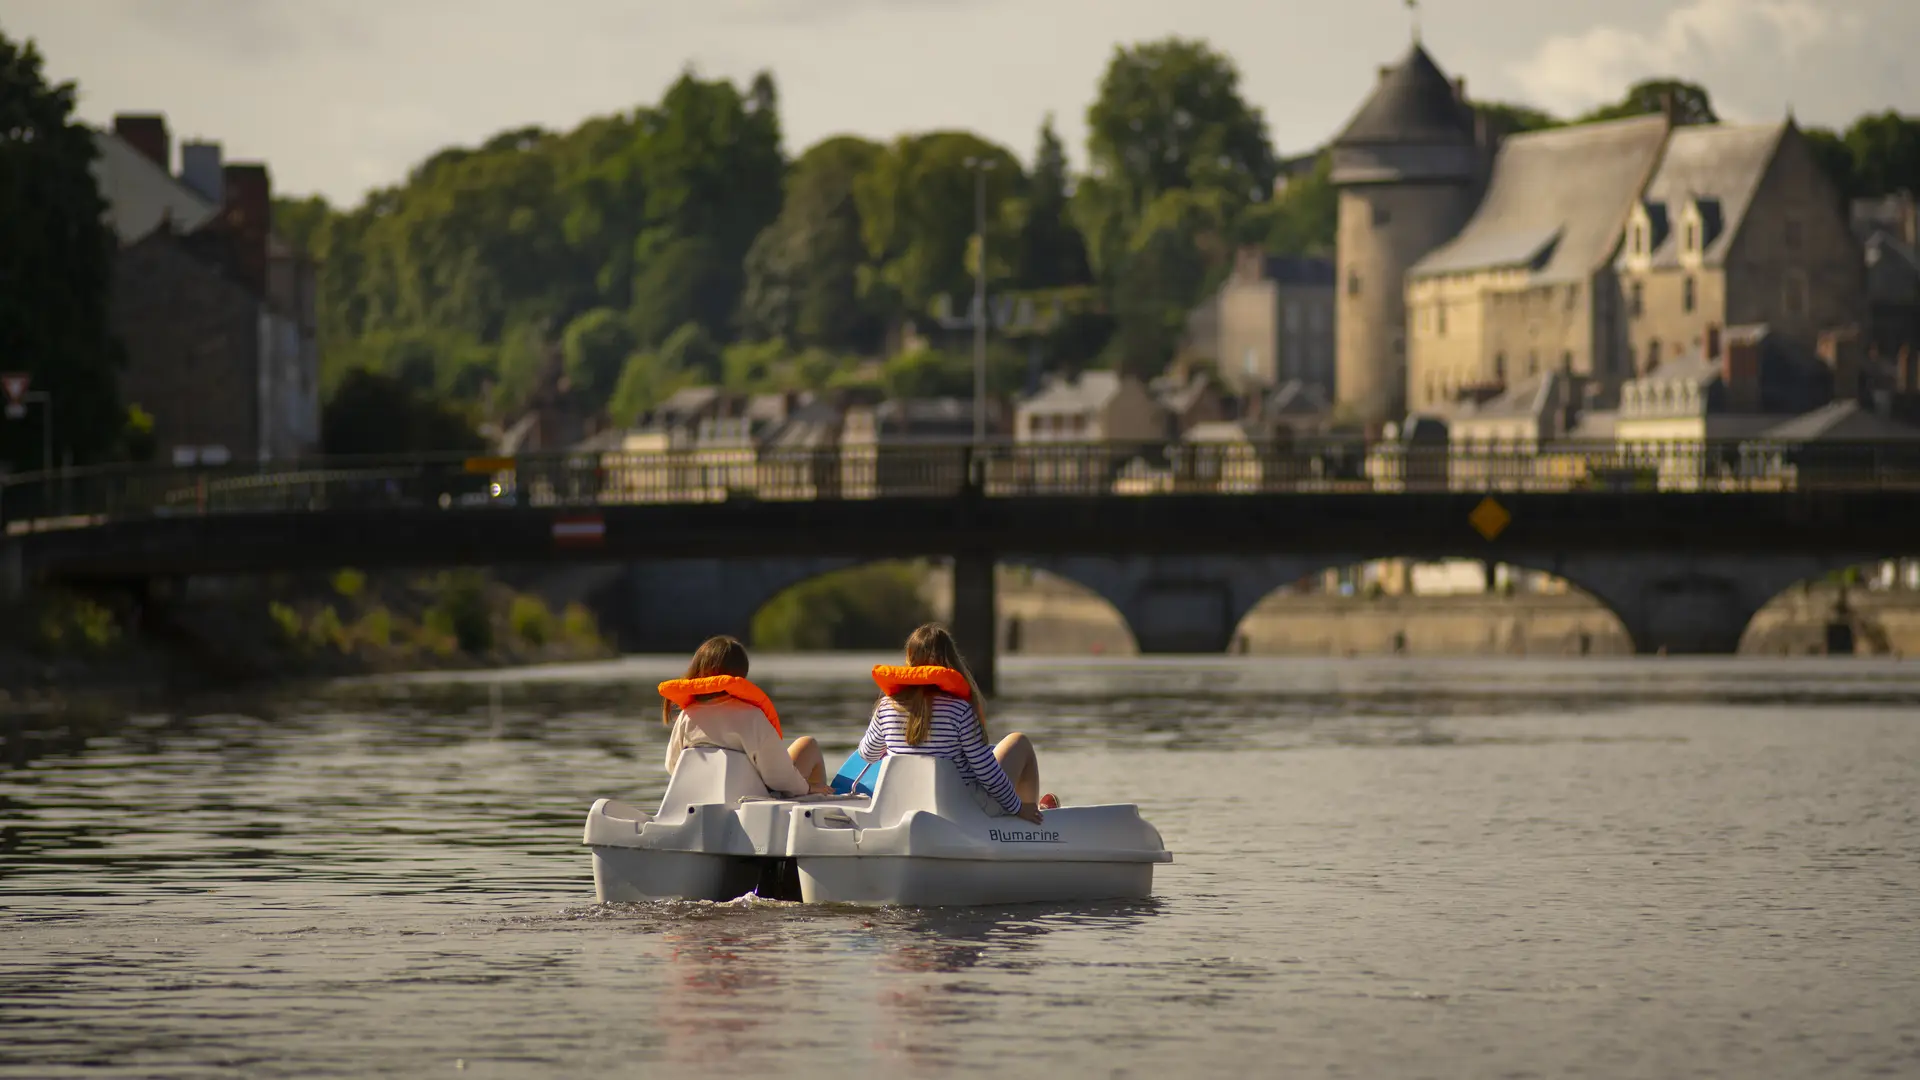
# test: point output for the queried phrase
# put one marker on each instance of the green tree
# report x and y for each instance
(1886, 153)
(596, 346)
(803, 272)
(1169, 114)
(1302, 219)
(1510, 119)
(1835, 159)
(300, 221)
(917, 213)
(711, 163)
(867, 607)
(1691, 102)
(1171, 260)
(1050, 250)
(371, 413)
(681, 280)
(56, 265)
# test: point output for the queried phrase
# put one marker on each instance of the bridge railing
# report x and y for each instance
(992, 470)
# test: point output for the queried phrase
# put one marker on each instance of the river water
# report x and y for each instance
(1599, 868)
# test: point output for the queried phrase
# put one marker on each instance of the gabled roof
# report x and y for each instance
(1721, 165)
(1557, 203)
(1296, 398)
(1090, 392)
(1534, 396)
(140, 194)
(1842, 421)
(1414, 102)
(814, 425)
(1177, 397)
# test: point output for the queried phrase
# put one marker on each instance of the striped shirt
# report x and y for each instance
(954, 734)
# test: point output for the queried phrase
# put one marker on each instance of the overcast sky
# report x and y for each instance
(339, 96)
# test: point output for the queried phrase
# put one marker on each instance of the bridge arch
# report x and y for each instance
(1678, 603)
(1832, 612)
(1318, 622)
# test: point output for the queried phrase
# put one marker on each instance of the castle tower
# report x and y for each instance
(1410, 168)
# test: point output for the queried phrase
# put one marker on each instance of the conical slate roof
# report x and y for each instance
(1414, 103)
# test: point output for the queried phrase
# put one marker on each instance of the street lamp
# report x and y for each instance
(981, 167)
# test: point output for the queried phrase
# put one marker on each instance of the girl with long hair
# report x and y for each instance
(933, 707)
(717, 706)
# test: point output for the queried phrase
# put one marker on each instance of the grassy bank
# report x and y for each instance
(58, 644)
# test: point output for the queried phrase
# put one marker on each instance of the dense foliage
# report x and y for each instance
(865, 608)
(55, 270)
(676, 244)
(641, 252)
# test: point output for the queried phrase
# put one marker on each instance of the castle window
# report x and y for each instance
(1693, 237)
(1653, 354)
(1687, 295)
(1637, 239)
(1637, 304)
(1353, 283)
(1440, 319)
(1500, 367)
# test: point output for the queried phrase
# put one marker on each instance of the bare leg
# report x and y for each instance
(1016, 756)
(806, 756)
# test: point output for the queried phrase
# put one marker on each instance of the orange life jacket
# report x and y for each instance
(892, 680)
(683, 692)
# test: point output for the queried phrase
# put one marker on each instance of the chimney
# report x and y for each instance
(1460, 89)
(1740, 372)
(147, 133)
(248, 218)
(200, 169)
(1839, 350)
(1249, 262)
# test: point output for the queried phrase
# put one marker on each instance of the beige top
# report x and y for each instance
(736, 725)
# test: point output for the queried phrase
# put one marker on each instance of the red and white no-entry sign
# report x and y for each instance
(579, 530)
(15, 383)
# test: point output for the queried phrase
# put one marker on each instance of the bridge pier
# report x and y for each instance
(975, 616)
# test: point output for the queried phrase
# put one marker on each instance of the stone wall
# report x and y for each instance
(192, 337)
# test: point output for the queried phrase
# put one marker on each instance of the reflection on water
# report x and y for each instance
(1384, 867)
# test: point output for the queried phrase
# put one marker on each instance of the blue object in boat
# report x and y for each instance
(852, 779)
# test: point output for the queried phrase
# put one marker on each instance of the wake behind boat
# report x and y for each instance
(919, 839)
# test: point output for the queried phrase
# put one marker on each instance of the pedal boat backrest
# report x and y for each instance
(709, 774)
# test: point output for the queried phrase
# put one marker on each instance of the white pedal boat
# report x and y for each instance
(919, 840)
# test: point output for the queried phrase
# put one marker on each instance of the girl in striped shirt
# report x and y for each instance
(933, 707)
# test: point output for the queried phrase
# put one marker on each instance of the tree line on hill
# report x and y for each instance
(678, 244)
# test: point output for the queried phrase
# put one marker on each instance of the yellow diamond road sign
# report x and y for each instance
(1489, 519)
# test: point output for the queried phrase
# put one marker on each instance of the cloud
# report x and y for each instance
(1749, 41)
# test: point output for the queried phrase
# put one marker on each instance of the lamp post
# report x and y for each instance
(981, 167)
